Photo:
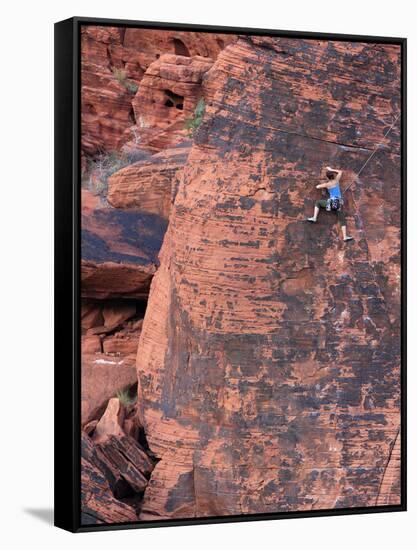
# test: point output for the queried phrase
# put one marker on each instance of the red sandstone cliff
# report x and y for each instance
(138, 88)
(268, 362)
(116, 105)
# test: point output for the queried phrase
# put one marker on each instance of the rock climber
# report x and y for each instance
(334, 202)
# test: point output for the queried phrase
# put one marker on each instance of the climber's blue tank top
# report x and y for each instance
(335, 192)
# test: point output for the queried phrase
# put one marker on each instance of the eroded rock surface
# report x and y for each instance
(119, 251)
(167, 96)
(102, 377)
(98, 503)
(115, 470)
(110, 333)
(114, 62)
(268, 362)
(147, 185)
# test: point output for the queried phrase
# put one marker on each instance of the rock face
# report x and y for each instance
(106, 102)
(151, 43)
(119, 251)
(98, 502)
(268, 363)
(168, 94)
(102, 378)
(114, 62)
(114, 474)
(147, 185)
(391, 482)
(109, 339)
(115, 468)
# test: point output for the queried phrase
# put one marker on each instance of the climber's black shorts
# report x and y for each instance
(340, 214)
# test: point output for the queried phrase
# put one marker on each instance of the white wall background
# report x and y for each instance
(26, 279)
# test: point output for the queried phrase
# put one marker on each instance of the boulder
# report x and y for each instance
(102, 377)
(119, 251)
(91, 314)
(91, 344)
(116, 314)
(123, 343)
(98, 504)
(111, 422)
(148, 185)
(114, 475)
(129, 461)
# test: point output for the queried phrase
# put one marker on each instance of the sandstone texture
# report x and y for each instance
(114, 63)
(168, 94)
(115, 468)
(102, 378)
(110, 332)
(114, 473)
(99, 505)
(148, 185)
(269, 357)
(119, 251)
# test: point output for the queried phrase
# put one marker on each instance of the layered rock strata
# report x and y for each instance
(268, 362)
(148, 185)
(115, 470)
(113, 63)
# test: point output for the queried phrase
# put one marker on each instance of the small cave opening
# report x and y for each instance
(180, 48)
(173, 100)
(131, 115)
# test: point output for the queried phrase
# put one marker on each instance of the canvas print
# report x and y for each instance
(240, 274)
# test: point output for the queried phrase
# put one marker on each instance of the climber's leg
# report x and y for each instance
(319, 204)
(342, 222)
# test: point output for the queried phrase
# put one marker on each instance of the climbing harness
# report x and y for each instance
(373, 153)
(334, 203)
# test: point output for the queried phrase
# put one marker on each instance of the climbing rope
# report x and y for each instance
(373, 152)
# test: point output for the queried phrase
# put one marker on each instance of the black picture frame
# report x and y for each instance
(67, 272)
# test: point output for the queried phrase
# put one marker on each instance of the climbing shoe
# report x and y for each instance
(311, 220)
(348, 239)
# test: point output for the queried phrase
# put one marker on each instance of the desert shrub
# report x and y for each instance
(131, 86)
(105, 165)
(121, 76)
(101, 187)
(136, 155)
(191, 124)
(125, 398)
(101, 168)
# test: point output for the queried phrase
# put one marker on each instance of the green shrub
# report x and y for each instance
(121, 76)
(125, 398)
(99, 169)
(131, 86)
(191, 124)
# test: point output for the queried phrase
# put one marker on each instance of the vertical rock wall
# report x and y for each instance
(268, 362)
